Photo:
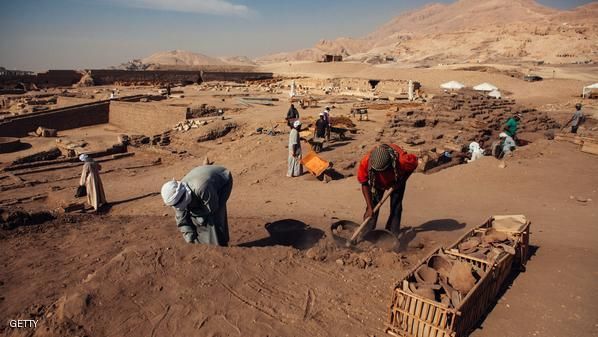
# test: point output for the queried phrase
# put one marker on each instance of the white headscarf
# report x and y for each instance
(176, 194)
(296, 124)
(84, 157)
(474, 147)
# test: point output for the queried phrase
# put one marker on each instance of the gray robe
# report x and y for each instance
(90, 177)
(205, 219)
(294, 163)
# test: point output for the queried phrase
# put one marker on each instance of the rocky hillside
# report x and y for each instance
(471, 31)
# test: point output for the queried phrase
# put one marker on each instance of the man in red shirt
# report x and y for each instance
(385, 167)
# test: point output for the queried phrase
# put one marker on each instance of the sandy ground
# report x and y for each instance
(128, 272)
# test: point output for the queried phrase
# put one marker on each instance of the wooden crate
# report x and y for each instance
(520, 235)
(411, 315)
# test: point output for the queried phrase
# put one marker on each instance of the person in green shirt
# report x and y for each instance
(511, 126)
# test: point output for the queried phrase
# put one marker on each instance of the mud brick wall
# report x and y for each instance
(145, 118)
(58, 78)
(234, 76)
(11, 81)
(61, 119)
(107, 76)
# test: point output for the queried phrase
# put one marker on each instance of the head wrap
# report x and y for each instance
(296, 123)
(321, 114)
(502, 135)
(176, 194)
(474, 147)
(380, 158)
(408, 162)
(84, 157)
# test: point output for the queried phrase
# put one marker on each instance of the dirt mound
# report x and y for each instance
(13, 218)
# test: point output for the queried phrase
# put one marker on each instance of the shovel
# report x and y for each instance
(359, 229)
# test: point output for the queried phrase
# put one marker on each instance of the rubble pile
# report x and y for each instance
(162, 139)
(189, 124)
(203, 110)
(450, 122)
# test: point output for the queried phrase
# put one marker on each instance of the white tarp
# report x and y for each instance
(485, 87)
(452, 85)
(589, 89)
(495, 94)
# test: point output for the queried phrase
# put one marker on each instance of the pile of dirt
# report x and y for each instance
(217, 131)
(14, 218)
(328, 251)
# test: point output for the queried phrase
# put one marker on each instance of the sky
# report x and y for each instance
(81, 34)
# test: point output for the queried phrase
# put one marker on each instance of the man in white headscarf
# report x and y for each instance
(199, 200)
(476, 152)
(507, 144)
(90, 178)
(294, 161)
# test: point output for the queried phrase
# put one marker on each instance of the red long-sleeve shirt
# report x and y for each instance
(384, 179)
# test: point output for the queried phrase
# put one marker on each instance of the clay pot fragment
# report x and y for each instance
(492, 235)
(469, 245)
(425, 292)
(507, 248)
(461, 278)
(441, 264)
(426, 275)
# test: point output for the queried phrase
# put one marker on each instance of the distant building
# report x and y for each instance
(6, 72)
(332, 58)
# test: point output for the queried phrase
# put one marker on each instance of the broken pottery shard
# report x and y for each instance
(461, 278)
(492, 235)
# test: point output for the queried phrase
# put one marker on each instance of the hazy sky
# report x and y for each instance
(67, 34)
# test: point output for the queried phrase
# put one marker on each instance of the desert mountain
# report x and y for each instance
(182, 58)
(471, 31)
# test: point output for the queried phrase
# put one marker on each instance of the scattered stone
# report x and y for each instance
(45, 132)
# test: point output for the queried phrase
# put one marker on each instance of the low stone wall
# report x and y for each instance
(230, 76)
(108, 76)
(145, 118)
(66, 78)
(71, 117)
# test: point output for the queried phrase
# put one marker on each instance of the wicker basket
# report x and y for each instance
(411, 315)
(520, 235)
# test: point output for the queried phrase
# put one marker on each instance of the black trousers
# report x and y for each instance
(393, 223)
(574, 129)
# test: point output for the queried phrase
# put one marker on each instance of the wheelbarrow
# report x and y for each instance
(314, 164)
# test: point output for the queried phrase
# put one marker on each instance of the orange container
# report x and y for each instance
(314, 164)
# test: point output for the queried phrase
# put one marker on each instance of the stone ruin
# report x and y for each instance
(450, 122)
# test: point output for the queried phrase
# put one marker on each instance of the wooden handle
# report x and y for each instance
(365, 222)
